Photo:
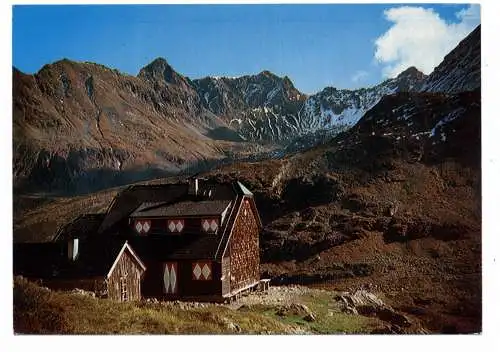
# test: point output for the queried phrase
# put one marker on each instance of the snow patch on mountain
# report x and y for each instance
(447, 119)
(272, 110)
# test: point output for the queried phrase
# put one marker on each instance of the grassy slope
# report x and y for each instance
(40, 311)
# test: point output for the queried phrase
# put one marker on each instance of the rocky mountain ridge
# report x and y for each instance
(76, 125)
(268, 108)
(460, 70)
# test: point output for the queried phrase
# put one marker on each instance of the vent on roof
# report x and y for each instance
(73, 249)
(193, 187)
(208, 193)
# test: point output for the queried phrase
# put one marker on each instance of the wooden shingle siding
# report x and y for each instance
(126, 268)
(244, 249)
(225, 279)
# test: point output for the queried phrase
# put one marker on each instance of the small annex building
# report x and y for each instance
(109, 268)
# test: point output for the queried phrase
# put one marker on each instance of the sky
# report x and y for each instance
(345, 46)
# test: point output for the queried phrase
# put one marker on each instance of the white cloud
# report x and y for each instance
(420, 37)
(359, 76)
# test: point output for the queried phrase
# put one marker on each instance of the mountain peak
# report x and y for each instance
(411, 72)
(159, 70)
(159, 62)
(267, 73)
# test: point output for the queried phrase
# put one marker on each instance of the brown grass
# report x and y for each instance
(40, 311)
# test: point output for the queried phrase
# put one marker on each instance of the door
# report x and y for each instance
(170, 278)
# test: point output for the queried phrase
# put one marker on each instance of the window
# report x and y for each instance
(175, 225)
(142, 226)
(123, 289)
(202, 270)
(209, 225)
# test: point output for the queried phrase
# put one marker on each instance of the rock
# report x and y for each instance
(395, 318)
(234, 327)
(310, 317)
(231, 325)
(397, 231)
(350, 310)
(366, 303)
(79, 291)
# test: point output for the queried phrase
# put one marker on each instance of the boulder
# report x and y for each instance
(366, 303)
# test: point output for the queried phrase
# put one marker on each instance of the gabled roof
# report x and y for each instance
(185, 208)
(243, 189)
(81, 227)
(126, 247)
(174, 200)
(132, 197)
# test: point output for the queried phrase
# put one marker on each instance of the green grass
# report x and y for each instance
(40, 311)
(329, 317)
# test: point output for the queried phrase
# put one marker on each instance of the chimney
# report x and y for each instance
(193, 187)
(72, 249)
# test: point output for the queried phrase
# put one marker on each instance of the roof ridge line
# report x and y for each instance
(231, 219)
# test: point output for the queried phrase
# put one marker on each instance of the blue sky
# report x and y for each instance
(345, 46)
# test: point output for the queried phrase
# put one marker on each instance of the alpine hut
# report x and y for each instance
(199, 240)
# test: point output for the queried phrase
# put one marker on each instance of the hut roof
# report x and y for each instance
(49, 260)
(165, 200)
(81, 227)
(185, 208)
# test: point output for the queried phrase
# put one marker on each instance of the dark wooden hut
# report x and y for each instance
(199, 241)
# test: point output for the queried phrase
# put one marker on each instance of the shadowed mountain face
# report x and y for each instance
(461, 68)
(82, 126)
(82, 122)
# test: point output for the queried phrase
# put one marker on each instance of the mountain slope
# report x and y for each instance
(72, 118)
(393, 204)
(386, 205)
(342, 109)
(82, 126)
(460, 69)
